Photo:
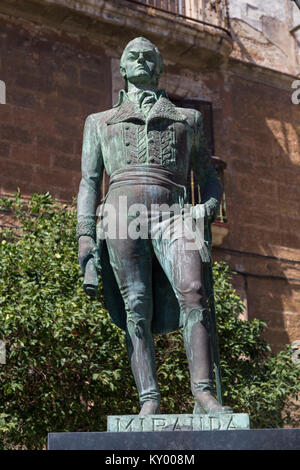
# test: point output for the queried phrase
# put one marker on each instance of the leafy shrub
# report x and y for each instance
(67, 366)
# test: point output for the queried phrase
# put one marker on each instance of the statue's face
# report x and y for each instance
(141, 65)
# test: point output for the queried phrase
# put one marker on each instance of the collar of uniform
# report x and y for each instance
(123, 95)
(126, 110)
(138, 97)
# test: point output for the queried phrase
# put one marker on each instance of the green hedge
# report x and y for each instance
(67, 366)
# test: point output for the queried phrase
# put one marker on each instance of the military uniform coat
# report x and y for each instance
(169, 137)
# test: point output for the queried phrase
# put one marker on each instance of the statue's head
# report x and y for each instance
(141, 63)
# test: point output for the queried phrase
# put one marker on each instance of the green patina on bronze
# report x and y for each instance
(148, 148)
(184, 422)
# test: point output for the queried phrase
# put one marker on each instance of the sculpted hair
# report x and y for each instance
(160, 64)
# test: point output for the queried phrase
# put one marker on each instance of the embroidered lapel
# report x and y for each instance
(126, 111)
(164, 109)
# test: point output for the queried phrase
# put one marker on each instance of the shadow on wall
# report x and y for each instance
(267, 38)
(261, 142)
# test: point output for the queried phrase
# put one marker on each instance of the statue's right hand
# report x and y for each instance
(87, 247)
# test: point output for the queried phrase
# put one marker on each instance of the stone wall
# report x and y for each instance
(264, 33)
(53, 81)
(259, 139)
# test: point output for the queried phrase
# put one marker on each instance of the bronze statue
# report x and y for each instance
(152, 284)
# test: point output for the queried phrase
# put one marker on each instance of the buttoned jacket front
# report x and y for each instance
(157, 139)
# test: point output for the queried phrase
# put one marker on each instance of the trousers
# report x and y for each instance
(131, 258)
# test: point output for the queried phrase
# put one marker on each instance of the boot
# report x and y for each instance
(140, 347)
(198, 350)
(150, 407)
(205, 402)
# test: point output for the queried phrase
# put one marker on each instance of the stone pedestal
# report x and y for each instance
(235, 439)
(182, 422)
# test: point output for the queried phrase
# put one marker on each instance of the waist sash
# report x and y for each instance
(149, 175)
(146, 175)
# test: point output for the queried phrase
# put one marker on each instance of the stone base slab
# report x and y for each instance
(240, 439)
(176, 422)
